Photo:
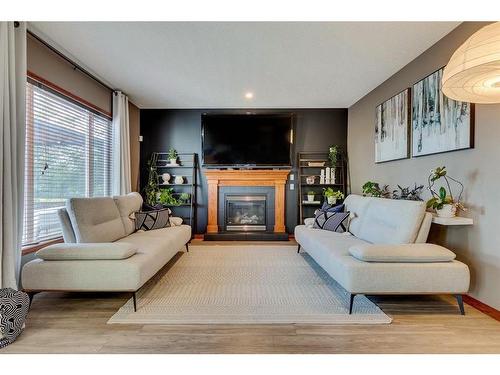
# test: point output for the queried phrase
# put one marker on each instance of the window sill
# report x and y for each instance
(34, 248)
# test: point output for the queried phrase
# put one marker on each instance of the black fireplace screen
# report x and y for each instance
(245, 212)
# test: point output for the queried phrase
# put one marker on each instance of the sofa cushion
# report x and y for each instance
(150, 220)
(332, 221)
(127, 206)
(67, 228)
(385, 221)
(332, 207)
(95, 219)
(87, 251)
(175, 221)
(415, 253)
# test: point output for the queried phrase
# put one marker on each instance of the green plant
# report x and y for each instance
(167, 197)
(373, 189)
(172, 154)
(443, 196)
(329, 192)
(151, 189)
(333, 154)
(185, 197)
(311, 193)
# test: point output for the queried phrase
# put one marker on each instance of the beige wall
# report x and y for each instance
(134, 119)
(48, 65)
(479, 245)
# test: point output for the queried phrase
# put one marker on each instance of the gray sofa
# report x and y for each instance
(385, 251)
(102, 250)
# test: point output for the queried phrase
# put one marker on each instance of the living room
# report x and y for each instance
(249, 187)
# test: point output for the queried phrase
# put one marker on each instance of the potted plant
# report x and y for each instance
(310, 196)
(443, 201)
(333, 155)
(185, 197)
(167, 197)
(332, 195)
(151, 189)
(172, 156)
(373, 189)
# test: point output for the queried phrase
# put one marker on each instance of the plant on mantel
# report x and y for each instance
(443, 201)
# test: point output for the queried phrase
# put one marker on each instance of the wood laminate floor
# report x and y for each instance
(76, 323)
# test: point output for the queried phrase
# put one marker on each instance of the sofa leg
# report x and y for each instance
(460, 303)
(298, 248)
(30, 296)
(187, 247)
(351, 302)
(134, 298)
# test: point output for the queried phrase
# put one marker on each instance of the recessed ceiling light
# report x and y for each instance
(249, 95)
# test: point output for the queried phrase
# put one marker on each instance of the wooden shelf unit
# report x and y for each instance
(188, 162)
(304, 171)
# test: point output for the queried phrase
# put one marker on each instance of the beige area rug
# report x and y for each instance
(246, 284)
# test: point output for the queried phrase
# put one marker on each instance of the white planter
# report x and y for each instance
(310, 198)
(165, 177)
(179, 180)
(173, 161)
(448, 210)
(331, 200)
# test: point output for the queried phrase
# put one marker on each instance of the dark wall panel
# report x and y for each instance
(315, 130)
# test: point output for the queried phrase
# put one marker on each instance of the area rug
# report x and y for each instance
(246, 284)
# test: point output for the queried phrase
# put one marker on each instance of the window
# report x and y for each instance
(68, 154)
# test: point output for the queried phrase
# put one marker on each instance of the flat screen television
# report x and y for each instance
(255, 140)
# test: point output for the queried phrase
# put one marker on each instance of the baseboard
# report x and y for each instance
(484, 308)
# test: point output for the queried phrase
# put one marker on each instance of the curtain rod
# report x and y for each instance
(75, 65)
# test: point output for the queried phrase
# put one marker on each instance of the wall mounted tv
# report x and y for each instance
(246, 140)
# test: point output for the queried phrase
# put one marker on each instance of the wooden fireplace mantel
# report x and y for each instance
(248, 177)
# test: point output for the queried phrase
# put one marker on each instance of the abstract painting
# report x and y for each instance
(439, 124)
(392, 128)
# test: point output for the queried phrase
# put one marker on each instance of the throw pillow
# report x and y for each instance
(155, 219)
(14, 306)
(332, 221)
(332, 208)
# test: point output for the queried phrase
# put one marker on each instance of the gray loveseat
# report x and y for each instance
(102, 250)
(385, 251)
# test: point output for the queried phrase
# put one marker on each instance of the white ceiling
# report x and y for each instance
(213, 64)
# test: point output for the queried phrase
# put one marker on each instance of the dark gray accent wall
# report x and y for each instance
(315, 130)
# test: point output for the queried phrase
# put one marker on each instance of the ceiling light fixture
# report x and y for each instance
(473, 72)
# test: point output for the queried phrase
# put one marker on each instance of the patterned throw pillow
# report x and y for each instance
(332, 208)
(332, 221)
(154, 219)
(14, 306)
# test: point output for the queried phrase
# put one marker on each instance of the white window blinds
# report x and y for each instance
(68, 154)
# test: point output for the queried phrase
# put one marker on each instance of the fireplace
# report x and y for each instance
(245, 213)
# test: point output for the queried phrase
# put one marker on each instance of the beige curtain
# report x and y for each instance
(12, 138)
(121, 145)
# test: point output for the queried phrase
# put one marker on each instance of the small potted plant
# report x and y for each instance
(443, 201)
(167, 197)
(310, 196)
(172, 156)
(185, 197)
(333, 155)
(332, 195)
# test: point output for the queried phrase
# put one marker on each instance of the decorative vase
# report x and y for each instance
(310, 198)
(333, 178)
(179, 180)
(331, 200)
(165, 177)
(448, 210)
(310, 180)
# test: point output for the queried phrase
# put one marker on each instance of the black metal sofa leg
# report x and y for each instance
(187, 247)
(298, 249)
(460, 303)
(351, 302)
(134, 298)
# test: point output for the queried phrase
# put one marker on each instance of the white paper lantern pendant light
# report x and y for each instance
(473, 72)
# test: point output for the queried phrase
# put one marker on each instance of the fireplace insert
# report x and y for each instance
(245, 213)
